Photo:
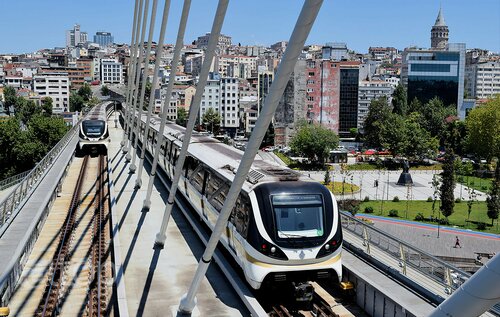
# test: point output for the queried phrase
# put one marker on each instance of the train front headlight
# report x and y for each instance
(329, 247)
(272, 251)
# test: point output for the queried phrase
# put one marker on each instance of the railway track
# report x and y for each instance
(98, 295)
(323, 304)
(80, 264)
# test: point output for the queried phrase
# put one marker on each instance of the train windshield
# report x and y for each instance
(298, 216)
(93, 128)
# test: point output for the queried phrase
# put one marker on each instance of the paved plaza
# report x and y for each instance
(387, 187)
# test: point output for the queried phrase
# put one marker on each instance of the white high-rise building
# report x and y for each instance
(55, 86)
(111, 71)
(229, 100)
(75, 36)
(222, 95)
(483, 79)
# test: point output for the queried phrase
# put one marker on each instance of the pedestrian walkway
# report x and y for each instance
(425, 237)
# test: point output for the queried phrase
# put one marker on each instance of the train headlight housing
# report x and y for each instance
(329, 247)
(272, 251)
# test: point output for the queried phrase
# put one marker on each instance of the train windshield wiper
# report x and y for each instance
(291, 235)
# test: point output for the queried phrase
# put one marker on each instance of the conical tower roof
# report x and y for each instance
(440, 19)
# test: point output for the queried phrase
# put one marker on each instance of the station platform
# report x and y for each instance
(155, 279)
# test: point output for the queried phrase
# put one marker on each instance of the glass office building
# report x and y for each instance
(348, 109)
(435, 73)
(103, 39)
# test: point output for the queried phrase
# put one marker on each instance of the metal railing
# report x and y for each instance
(13, 180)
(10, 205)
(429, 273)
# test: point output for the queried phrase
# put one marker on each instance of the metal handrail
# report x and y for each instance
(10, 205)
(12, 180)
(429, 272)
(406, 256)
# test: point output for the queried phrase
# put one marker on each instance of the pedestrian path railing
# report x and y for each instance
(10, 205)
(13, 180)
(434, 277)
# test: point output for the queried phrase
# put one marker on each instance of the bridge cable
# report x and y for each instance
(302, 28)
(141, 27)
(193, 113)
(175, 61)
(129, 73)
(158, 53)
(135, 140)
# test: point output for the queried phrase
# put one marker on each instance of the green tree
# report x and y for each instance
(433, 117)
(211, 120)
(105, 90)
(447, 185)
(182, 116)
(27, 110)
(9, 94)
(48, 130)
(404, 136)
(314, 142)
(47, 106)
(10, 132)
(399, 100)
(85, 92)
(76, 102)
(93, 102)
(493, 199)
(483, 129)
(378, 114)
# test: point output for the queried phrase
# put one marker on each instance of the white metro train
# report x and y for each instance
(94, 135)
(284, 227)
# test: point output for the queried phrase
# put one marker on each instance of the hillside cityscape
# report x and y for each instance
(321, 180)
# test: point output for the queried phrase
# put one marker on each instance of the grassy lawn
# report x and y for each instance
(336, 188)
(458, 217)
(481, 184)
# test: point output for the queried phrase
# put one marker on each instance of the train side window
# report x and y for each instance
(214, 184)
(177, 152)
(170, 149)
(206, 180)
(197, 179)
(241, 214)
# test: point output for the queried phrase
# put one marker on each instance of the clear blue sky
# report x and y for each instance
(29, 25)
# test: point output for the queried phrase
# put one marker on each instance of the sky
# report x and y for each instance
(30, 25)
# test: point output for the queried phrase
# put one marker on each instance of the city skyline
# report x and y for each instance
(394, 24)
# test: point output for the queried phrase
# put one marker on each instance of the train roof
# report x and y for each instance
(98, 112)
(225, 159)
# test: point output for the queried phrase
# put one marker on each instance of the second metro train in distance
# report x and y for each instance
(284, 226)
(93, 132)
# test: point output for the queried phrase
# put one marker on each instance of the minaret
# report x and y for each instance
(439, 33)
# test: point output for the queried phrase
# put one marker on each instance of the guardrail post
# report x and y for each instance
(4, 213)
(448, 280)
(402, 256)
(366, 240)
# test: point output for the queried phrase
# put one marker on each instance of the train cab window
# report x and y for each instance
(298, 216)
(93, 128)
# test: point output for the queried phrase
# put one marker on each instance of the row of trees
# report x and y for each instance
(417, 130)
(27, 137)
